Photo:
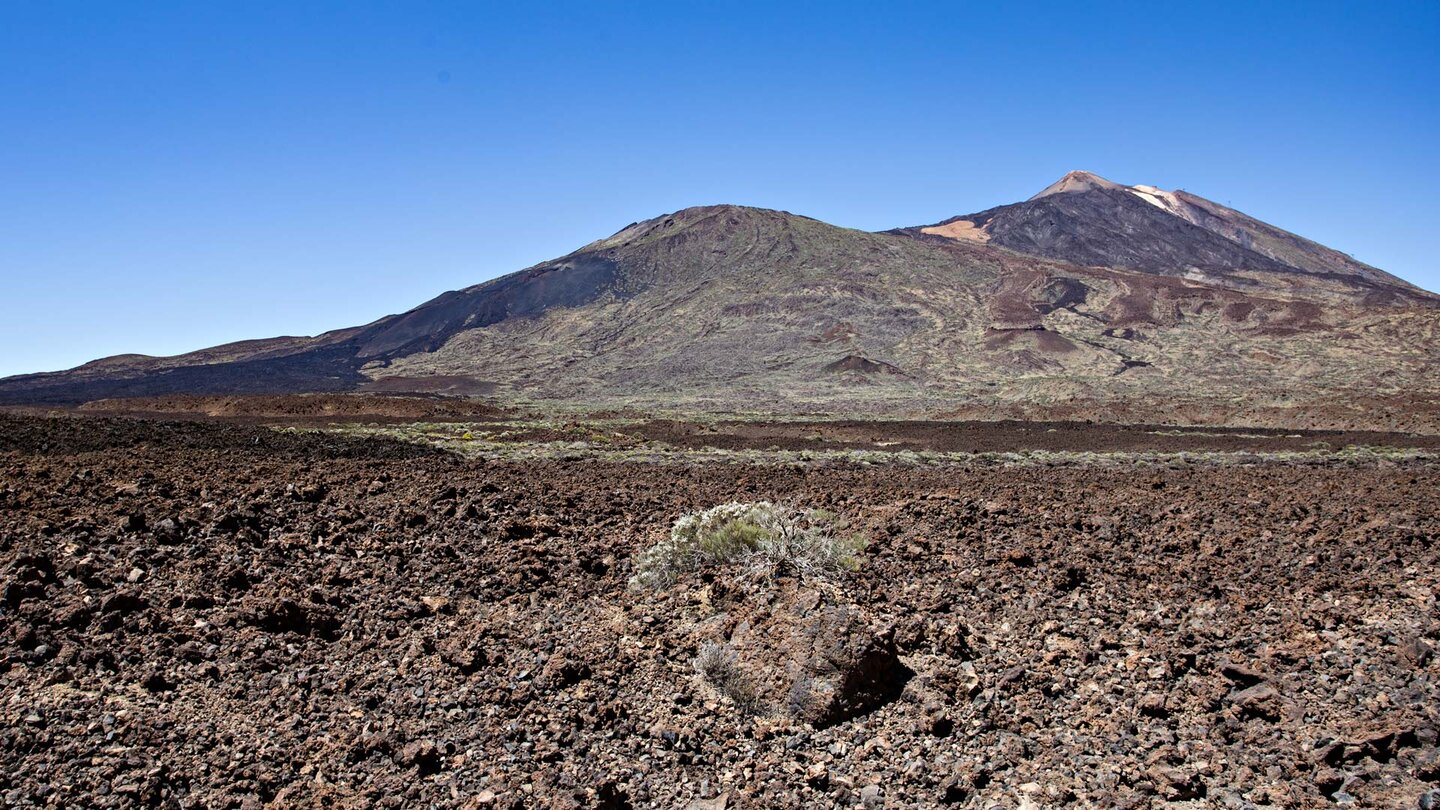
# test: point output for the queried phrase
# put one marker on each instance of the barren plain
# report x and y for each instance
(309, 610)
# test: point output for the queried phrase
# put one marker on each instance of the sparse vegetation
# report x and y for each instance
(719, 666)
(770, 538)
(607, 439)
(849, 677)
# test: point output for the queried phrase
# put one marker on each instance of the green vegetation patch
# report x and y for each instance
(515, 441)
(769, 538)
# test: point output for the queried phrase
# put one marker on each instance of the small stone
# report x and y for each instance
(956, 789)
(1176, 784)
(421, 754)
(1417, 652)
(1153, 705)
(135, 575)
(1241, 674)
(1329, 780)
(122, 603)
(1260, 700)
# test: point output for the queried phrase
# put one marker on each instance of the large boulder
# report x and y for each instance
(802, 650)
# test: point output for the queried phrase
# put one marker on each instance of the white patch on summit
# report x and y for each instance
(1164, 200)
(1079, 182)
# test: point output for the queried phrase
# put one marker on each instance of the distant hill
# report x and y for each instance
(1090, 300)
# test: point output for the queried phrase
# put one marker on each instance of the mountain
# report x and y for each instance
(1087, 220)
(1091, 299)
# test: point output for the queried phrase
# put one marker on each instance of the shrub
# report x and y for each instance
(771, 538)
(719, 666)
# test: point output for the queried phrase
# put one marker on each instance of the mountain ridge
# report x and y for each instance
(730, 307)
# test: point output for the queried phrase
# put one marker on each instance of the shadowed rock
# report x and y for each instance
(812, 655)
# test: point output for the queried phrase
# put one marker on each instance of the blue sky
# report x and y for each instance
(176, 175)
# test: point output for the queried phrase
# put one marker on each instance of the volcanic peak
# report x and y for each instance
(1077, 181)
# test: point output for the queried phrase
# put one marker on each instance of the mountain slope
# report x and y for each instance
(1087, 220)
(726, 308)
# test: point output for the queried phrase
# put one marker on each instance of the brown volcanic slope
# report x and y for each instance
(726, 307)
(1087, 220)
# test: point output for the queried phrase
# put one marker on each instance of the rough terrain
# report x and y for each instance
(1091, 301)
(1087, 220)
(215, 614)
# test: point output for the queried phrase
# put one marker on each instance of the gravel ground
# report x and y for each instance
(212, 615)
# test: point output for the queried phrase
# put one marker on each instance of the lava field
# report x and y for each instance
(221, 615)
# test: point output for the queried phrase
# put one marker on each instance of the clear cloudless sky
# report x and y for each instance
(175, 175)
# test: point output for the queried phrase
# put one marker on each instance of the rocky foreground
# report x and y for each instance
(205, 615)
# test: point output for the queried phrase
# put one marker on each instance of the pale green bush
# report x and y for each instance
(770, 538)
